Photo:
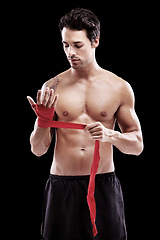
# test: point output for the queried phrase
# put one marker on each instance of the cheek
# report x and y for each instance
(86, 53)
(65, 51)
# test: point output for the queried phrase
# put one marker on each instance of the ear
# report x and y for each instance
(95, 43)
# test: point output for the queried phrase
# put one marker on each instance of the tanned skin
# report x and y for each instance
(90, 95)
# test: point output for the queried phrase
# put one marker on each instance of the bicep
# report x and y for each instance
(127, 119)
(126, 116)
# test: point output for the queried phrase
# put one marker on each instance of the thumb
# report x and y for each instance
(31, 101)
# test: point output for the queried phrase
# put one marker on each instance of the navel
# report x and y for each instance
(83, 149)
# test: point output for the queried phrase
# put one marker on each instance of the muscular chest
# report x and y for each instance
(98, 102)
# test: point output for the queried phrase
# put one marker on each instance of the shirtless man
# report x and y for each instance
(90, 95)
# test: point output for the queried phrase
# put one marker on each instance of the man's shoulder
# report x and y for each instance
(64, 75)
(54, 81)
(121, 86)
(114, 79)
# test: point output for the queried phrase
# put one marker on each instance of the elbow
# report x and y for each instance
(139, 144)
(139, 148)
(37, 152)
(136, 149)
(36, 148)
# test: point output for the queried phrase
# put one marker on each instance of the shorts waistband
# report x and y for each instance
(82, 177)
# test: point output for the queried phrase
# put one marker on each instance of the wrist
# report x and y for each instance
(112, 136)
(45, 115)
(44, 112)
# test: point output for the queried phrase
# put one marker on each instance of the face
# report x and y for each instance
(78, 48)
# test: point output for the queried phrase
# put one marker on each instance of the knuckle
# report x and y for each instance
(44, 101)
(49, 100)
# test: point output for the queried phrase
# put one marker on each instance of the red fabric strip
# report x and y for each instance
(44, 112)
(57, 124)
(45, 116)
(91, 187)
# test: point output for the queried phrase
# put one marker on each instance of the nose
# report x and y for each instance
(71, 51)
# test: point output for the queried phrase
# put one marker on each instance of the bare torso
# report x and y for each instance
(84, 101)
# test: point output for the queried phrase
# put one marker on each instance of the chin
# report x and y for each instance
(76, 66)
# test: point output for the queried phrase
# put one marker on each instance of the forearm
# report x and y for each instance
(40, 140)
(128, 143)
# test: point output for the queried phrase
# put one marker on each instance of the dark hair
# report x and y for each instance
(79, 19)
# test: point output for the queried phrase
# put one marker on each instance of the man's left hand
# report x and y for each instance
(99, 132)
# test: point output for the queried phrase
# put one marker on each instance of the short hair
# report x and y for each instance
(79, 19)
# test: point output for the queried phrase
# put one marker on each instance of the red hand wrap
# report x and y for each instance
(45, 116)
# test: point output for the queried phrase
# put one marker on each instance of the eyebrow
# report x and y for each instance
(73, 42)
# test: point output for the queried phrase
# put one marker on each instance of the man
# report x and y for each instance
(90, 95)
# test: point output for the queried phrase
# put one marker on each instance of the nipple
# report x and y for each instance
(103, 114)
(65, 113)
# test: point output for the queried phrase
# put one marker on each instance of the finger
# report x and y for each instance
(99, 133)
(31, 101)
(50, 99)
(39, 94)
(54, 101)
(95, 129)
(91, 126)
(46, 96)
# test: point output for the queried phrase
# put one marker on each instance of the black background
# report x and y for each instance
(37, 56)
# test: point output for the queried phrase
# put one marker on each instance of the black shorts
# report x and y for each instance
(66, 214)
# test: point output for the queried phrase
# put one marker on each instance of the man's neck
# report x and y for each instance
(87, 71)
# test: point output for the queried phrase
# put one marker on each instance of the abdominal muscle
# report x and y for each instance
(74, 150)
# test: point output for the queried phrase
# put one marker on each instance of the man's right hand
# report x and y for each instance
(48, 99)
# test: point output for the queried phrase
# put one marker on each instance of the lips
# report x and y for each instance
(73, 59)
